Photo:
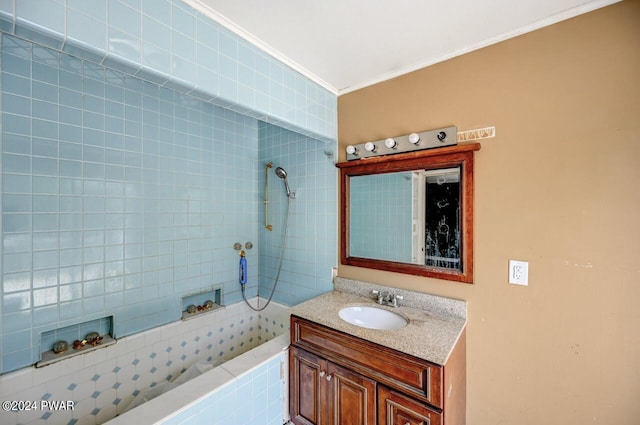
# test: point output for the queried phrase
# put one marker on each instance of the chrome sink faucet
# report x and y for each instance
(387, 298)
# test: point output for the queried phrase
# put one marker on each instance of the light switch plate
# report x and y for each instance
(519, 272)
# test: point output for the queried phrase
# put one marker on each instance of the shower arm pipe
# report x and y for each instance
(266, 196)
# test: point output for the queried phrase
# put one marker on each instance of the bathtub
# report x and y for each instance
(248, 384)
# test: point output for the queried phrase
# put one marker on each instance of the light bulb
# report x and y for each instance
(414, 138)
(369, 146)
(351, 150)
(390, 143)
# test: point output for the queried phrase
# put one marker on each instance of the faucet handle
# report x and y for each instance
(380, 295)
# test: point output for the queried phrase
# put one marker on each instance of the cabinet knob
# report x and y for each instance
(329, 377)
(321, 373)
(407, 423)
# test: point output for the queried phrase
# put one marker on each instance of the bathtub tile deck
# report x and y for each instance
(105, 388)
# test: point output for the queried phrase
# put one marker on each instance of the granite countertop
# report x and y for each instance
(430, 334)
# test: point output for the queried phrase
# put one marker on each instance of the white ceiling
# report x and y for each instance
(345, 45)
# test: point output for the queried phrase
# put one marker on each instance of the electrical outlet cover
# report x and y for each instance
(519, 272)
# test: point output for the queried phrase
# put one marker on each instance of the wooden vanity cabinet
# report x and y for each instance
(339, 379)
(329, 394)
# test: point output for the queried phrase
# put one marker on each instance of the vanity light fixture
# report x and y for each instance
(351, 150)
(411, 142)
(391, 143)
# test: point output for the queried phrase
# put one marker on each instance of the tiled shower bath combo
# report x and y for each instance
(125, 185)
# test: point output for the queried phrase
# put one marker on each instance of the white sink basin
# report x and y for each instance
(372, 318)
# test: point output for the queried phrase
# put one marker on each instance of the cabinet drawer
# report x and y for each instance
(416, 377)
(397, 409)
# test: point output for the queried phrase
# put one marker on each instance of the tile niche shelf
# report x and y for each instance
(201, 303)
(79, 333)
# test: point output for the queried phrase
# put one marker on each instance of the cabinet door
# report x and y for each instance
(307, 374)
(351, 397)
(397, 409)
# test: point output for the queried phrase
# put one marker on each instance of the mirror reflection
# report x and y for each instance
(441, 230)
(381, 216)
(408, 217)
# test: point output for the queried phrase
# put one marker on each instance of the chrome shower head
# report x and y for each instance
(280, 172)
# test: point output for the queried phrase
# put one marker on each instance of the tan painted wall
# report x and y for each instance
(558, 187)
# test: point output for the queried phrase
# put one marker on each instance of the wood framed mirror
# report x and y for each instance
(410, 213)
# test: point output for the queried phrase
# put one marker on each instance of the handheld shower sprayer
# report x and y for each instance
(243, 269)
(280, 172)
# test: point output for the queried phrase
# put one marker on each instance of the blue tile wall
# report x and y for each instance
(121, 196)
(168, 42)
(311, 240)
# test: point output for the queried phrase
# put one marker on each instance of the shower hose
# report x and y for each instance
(243, 266)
